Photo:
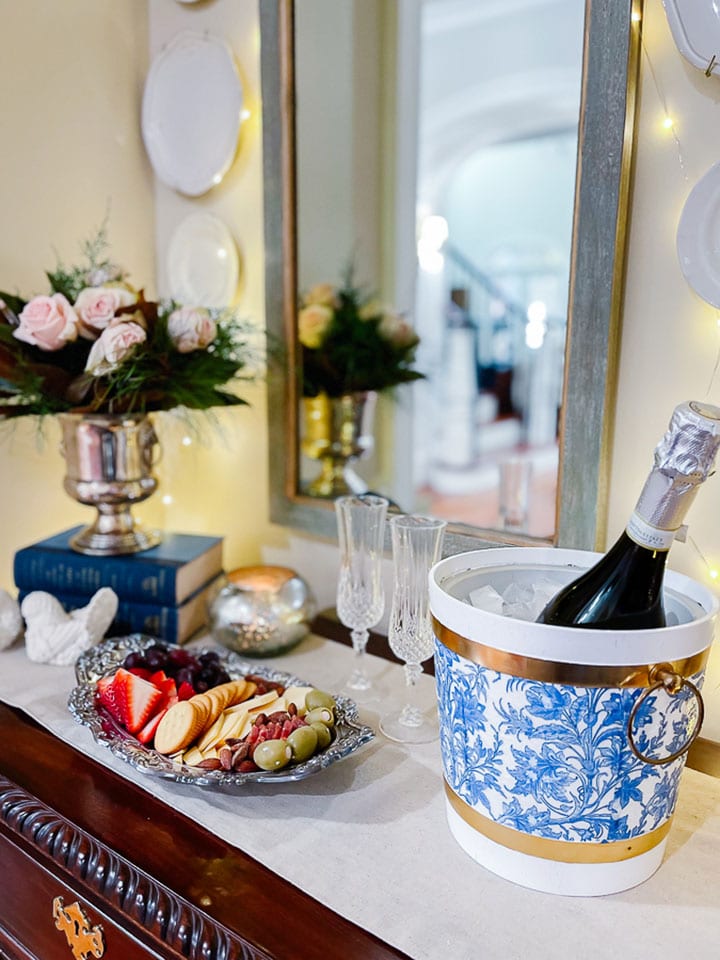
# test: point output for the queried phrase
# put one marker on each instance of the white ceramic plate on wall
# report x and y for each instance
(203, 265)
(191, 112)
(695, 26)
(698, 237)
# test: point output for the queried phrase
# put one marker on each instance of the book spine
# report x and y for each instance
(160, 622)
(37, 569)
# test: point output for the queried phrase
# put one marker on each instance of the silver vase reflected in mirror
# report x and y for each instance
(109, 461)
(262, 611)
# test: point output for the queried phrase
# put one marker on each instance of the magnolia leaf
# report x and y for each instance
(78, 389)
(14, 305)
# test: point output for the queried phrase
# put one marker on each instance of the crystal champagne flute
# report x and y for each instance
(416, 543)
(360, 596)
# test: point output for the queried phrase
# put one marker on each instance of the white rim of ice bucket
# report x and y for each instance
(564, 644)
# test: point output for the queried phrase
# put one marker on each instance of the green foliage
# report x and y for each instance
(362, 347)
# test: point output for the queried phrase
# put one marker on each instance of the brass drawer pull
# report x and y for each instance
(84, 941)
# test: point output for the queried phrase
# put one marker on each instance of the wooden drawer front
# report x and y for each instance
(31, 895)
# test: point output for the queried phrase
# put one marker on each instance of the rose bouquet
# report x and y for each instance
(94, 344)
(351, 343)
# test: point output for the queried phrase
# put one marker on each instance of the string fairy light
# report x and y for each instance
(713, 572)
(667, 122)
(717, 361)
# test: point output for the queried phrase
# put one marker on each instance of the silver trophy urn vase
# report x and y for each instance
(108, 465)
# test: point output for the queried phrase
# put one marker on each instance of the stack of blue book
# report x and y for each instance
(162, 592)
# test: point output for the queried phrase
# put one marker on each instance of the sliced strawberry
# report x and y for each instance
(140, 672)
(148, 731)
(158, 678)
(137, 699)
(166, 687)
(107, 696)
(169, 692)
(185, 691)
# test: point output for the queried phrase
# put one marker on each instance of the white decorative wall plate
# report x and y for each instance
(202, 262)
(695, 26)
(698, 237)
(191, 112)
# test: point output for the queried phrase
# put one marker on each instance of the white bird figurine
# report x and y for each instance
(54, 636)
(10, 620)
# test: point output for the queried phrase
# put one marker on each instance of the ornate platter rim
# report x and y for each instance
(107, 656)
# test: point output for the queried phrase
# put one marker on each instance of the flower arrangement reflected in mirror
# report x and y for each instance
(352, 348)
(100, 355)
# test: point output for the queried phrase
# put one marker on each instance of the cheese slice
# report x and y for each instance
(297, 696)
(192, 756)
(231, 719)
(254, 703)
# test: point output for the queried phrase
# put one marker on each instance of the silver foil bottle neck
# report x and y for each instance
(684, 458)
(691, 442)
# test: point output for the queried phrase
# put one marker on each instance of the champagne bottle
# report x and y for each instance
(623, 590)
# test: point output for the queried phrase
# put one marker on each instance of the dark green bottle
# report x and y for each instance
(623, 590)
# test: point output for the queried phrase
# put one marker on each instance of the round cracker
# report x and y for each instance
(178, 728)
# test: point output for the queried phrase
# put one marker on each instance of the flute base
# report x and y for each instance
(409, 725)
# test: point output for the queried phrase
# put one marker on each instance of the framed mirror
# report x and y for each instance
(601, 162)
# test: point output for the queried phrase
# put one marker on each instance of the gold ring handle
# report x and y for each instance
(662, 675)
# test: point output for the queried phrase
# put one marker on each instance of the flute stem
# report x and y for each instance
(358, 678)
(410, 715)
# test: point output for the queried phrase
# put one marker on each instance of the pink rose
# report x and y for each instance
(322, 294)
(191, 328)
(313, 321)
(47, 322)
(96, 307)
(114, 345)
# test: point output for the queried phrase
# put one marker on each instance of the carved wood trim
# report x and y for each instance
(159, 912)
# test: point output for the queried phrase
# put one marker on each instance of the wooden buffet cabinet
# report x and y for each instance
(93, 866)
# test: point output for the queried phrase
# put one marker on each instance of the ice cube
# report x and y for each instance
(486, 598)
(526, 601)
(519, 591)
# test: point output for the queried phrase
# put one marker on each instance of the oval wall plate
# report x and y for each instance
(203, 265)
(192, 112)
(698, 237)
(695, 26)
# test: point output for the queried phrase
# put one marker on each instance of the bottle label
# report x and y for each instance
(645, 535)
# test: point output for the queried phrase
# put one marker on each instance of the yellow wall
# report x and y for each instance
(55, 121)
(75, 100)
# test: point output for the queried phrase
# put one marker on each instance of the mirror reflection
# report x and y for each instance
(436, 155)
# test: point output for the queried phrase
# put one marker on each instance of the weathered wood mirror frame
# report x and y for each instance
(605, 146)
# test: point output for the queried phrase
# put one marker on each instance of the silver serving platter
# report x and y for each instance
(108, 655)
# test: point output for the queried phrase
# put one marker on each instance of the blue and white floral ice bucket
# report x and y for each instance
(563, 748)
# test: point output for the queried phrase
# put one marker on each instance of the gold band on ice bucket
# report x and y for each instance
(549, 671)
(565, 851)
